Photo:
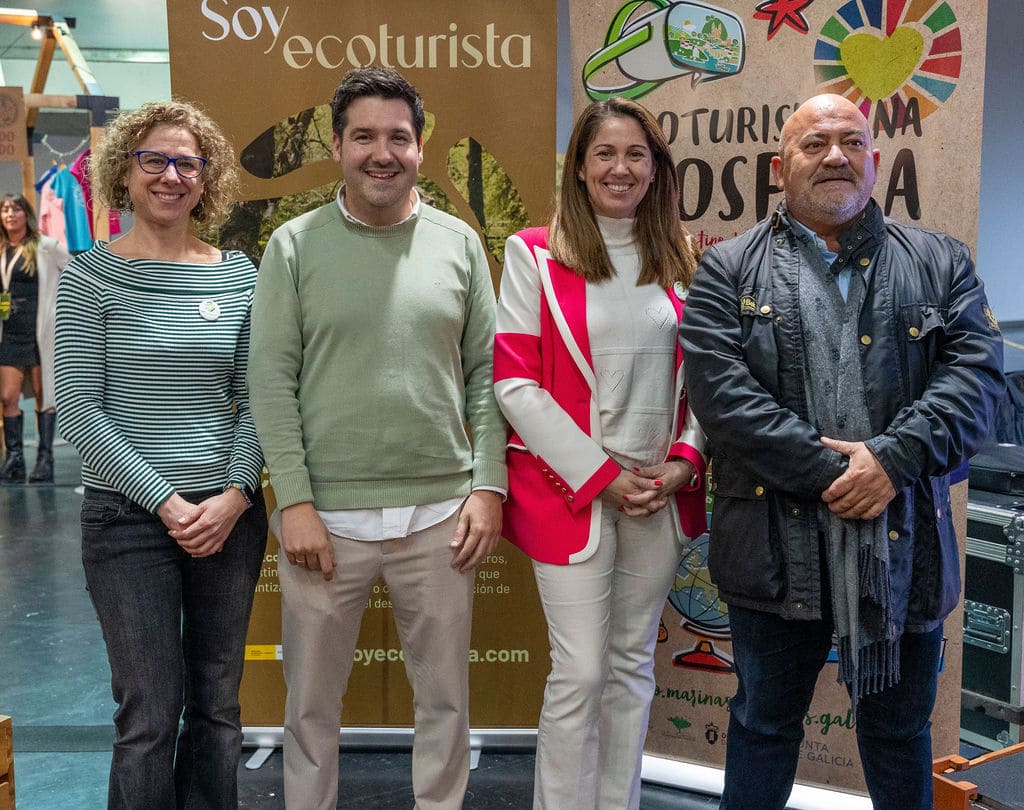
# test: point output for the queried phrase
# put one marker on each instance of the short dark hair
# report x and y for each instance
(384, 83)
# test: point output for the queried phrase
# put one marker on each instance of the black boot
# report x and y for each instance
(13, 469)
(43, 472)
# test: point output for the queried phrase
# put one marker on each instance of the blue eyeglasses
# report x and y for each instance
(157, 162)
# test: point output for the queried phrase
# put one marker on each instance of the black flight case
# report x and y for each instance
(991, 704)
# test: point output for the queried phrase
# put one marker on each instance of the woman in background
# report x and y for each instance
(152, 343)
(606, 462)
(29, 266)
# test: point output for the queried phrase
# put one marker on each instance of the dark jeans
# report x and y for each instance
(175, 633)
(778, 662)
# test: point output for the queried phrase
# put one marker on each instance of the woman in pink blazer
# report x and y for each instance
(606, 462)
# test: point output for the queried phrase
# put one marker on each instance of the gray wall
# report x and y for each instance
(1001, 216)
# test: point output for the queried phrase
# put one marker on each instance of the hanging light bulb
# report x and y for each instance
(37, 31)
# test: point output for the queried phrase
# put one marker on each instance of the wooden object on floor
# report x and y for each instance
(6, 764)
(952, 795)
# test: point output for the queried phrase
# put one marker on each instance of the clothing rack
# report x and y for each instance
(56, 32)
(63, 157)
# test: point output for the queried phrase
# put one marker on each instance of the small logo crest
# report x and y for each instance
(748, 305)
(993, 324)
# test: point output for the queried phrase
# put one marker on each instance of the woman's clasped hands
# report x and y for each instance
(202, 529)
(642, 491)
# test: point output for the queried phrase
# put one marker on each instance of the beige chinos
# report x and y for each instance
(433, 606)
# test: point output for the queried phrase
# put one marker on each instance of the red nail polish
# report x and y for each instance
(636, 469)
(657, 483)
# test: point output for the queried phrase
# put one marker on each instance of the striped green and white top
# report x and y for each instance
(150, 373)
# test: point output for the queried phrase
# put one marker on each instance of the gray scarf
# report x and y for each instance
(857, 550)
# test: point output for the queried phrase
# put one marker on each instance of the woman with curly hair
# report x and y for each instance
(29, 266)
(151, 345)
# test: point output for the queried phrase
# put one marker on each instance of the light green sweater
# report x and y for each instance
(371, 350)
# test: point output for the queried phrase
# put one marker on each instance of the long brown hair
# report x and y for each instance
(30, 244)
(666, 255)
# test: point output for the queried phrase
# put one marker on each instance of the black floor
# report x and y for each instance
(54, 683)
(381, 781)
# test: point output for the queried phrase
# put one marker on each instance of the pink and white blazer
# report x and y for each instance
(545, 384)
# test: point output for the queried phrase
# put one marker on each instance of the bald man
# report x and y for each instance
(842, 365)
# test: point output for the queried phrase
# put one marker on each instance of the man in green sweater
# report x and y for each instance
(372, 336)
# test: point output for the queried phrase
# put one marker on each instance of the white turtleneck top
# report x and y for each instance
(633, 333)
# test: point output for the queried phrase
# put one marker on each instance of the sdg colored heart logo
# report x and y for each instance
(879, 67)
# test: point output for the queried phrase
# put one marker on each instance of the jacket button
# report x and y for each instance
(795, 512)
(914, 331)
(759, 491)
(894, 535)
(765, 309)
(798, 605)
(865, 339)
(865, 261)
(570, 498)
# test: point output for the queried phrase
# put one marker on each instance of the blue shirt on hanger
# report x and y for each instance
(76, 221)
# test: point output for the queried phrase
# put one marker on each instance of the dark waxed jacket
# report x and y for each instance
(932, 359)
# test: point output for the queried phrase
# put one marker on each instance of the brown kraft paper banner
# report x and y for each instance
(486, 70)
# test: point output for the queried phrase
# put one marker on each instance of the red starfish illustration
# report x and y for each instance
(778, 12)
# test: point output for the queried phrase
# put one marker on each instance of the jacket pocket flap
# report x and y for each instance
(920, 319)
(732, 481)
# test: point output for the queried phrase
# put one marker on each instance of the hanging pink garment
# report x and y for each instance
(51, 215)
(80, 170)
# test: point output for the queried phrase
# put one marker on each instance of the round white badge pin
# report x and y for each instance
(209, 310)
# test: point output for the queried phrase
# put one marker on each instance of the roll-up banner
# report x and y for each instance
(722, 78)
(265, 72)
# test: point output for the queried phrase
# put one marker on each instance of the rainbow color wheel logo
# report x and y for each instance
(897, 53)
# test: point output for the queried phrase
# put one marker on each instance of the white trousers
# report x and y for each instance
(433, 607)
(602, 619)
